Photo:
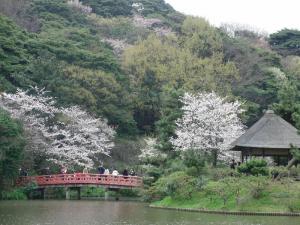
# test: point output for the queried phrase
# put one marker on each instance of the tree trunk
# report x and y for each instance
(215, 157)
(291, 163)
(289, 166)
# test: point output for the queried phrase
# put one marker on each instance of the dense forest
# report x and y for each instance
(130, 62)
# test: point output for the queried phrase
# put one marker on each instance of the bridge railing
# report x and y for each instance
(81, 179)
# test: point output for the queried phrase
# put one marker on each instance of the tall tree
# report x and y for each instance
(209, 124)
(12, 144)
(70, 135)
(200, 37)
(286, 42)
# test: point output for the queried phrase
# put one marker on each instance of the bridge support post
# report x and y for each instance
(106, 194)
(117, 191)
(67, 190)
(78, 189)
(42, 193)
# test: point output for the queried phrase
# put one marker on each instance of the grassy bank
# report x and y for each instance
(275, 196)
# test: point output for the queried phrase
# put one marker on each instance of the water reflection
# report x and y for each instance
(117, 213)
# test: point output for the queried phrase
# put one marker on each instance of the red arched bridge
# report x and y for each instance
(82, 179)
(77, 180)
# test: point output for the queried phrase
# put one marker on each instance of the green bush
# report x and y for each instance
(192, 171)
(93, 192)
(294, 206)
(194, 159)
(275, 171)
(130, 193)
(219, 173)
(174, 165)
(257, 185)
(225, 188)
(295, 172)
(254, 167)
(177, 185)
(154, 172)
(17, 194)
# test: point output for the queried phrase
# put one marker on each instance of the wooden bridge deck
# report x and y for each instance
(80, 179)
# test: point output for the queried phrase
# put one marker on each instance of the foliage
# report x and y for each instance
(32, 64)
(254, 167)
(294, 205)
(16, 194)
(93, 192)
(220, 189)
(279, 170)
(12, 144)
(150, 153)
(170, 112)
(13, 53)
(156, 6)
(17, 10)
(110, 8)
(252, 57)
(286, 42)
(78, 5)
(121, 28)
(194, 159)
(288, 105)
(56, 10)
(257, 186)
(276, 197)
(200, 37)
(217, 174)
(178, 185)
(130, 193)
(157, 65)
(209, 124)
(70, 135)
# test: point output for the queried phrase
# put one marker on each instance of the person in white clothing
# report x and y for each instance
(106, 172)
(115, 173)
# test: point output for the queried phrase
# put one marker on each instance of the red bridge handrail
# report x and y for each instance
(81, 179)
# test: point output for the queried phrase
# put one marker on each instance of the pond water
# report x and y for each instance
(117, 213)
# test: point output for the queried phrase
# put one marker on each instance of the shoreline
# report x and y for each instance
(238, 213)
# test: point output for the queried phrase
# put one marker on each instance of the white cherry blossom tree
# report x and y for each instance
(209, 124)
(66, 135)
(149, 151)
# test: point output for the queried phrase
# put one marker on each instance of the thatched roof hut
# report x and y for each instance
(270, 136)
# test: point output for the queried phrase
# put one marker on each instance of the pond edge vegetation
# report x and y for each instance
(239, 213)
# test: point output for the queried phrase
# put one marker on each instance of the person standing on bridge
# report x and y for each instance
(132, 173)
(125, 172)
(85, 170)
(106, 172)
(63, 170)
(115, 172)
(101, 169)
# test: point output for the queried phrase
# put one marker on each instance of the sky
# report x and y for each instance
(264, 15)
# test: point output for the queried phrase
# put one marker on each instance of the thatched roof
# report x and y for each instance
(271, 132)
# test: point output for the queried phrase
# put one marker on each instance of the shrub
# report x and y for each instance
(174, 165)
(129, 193)
(254, 167)
(154, 172)
(257, 185)
(294, 205)
(225, 188)
(194, 159)
(177, 185)
(220, 173)
(275, 171)
(219, 190)
(192, 171)
(295, 171)
(16, 194)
